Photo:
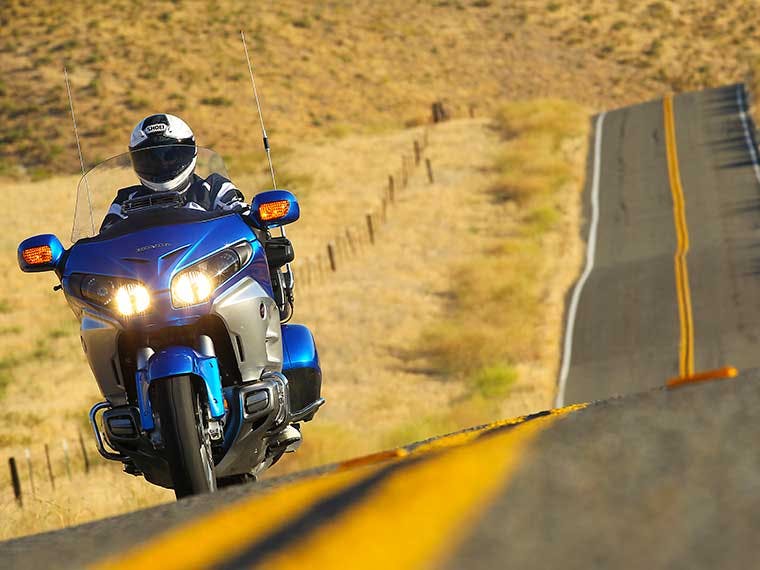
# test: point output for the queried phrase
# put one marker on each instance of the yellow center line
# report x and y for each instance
(213, 538)
(686, 347)
(419, 515)
(467, 478)
(461, 438)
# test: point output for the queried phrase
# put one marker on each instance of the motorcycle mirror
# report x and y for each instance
(40, 253)
(274, 208)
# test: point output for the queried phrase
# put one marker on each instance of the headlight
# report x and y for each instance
(132, 299)
(120, 295)
(196, 283)
(191, 287)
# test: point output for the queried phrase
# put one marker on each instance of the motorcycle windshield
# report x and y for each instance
(99, 186)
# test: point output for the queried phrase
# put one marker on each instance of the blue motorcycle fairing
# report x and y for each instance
(155, 255)
(298, 348)
(179, 361)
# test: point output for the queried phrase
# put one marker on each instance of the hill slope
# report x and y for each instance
(323, 70)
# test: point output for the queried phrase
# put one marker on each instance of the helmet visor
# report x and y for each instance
(162, 163)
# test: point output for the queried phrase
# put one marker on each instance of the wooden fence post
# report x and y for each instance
(15, 481)
(331, 256)
(429, 170)
(439, 112)
(370, 229)
(49, 466)
(28, 455)
(84, 454)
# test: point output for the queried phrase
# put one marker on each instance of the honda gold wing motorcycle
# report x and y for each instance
(182, 317)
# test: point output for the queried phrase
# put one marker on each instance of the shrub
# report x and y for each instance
(216, 101)
(494, 381)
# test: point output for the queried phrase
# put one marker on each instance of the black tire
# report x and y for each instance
(187, 447)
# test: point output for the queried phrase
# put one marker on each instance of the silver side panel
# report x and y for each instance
(99, 341)
(253, 322)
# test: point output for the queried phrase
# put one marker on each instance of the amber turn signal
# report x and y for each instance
(38, 255)
(274, 210)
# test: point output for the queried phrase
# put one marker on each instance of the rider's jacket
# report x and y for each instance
(213, 193)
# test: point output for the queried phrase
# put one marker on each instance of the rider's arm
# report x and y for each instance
(224, 194)
(113, 215)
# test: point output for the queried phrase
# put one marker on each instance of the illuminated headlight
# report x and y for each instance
(119, 295)
(191, 288)
(132, 299)
(196, 283)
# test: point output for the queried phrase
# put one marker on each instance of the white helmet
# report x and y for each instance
(163, 152)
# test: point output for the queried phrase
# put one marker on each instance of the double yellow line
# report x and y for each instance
(395, 510)
(686, 348)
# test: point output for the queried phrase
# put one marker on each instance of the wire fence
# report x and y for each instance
(353, 240)
(43, 466)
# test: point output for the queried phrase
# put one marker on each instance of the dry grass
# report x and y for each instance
(533, 163)
(108, 491)
(323, 71)
(357, 66)
(678, 43)
(754, 92)
(501, 317)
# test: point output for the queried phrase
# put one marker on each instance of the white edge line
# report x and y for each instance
(747, 135)
(590, 254)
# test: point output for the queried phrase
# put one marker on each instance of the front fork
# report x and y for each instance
(127, 423)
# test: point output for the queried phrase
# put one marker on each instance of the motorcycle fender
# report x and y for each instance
(179, 361)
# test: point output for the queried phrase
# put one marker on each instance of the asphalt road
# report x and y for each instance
(660, 478)
(627, 334)
(663, 479)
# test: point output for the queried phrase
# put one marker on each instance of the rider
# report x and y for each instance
(163, 153)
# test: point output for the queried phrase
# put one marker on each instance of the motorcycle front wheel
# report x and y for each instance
(186, 442)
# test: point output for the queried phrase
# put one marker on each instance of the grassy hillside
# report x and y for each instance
(333, 68)
(324, 70)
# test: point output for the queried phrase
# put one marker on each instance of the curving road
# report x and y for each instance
(630, 333)
(663, 478)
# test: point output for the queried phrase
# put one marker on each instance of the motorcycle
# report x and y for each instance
(183, 318)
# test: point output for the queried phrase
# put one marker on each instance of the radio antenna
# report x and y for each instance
(286, 275)
(79, 147)
(258, 107)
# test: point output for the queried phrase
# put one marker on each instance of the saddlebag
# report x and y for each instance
(301, 367)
